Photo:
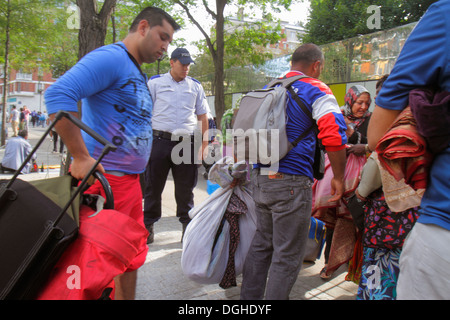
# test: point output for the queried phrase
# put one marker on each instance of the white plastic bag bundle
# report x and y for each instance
(205, 252)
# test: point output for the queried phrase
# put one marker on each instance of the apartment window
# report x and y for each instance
(23, 76)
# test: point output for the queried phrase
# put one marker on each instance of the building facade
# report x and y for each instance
(26, 89)
(290, 41)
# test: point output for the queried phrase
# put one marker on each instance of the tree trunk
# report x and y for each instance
(93, 25)
(219, 101)
(5, 77)
(349, 65)
(113, 25)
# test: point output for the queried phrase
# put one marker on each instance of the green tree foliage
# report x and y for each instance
(23, 35)
(61, 42)
(238, 47)
(27, 24)
(335, 20)
(341, 25)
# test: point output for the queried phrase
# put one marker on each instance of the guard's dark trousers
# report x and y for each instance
(184, 176)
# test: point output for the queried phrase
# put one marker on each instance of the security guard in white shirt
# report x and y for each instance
(179, 103)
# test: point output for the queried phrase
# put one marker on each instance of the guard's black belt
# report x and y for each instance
(168, 136)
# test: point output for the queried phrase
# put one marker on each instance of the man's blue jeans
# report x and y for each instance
(283, 208)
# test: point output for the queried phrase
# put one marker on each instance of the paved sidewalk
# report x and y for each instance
(161, 277)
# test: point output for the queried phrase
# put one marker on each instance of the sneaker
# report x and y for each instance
(151, 234)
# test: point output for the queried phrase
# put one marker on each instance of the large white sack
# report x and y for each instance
(200, 261)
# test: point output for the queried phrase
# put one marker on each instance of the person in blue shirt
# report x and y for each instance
(179, 104)
(116, 104)
(424, 61)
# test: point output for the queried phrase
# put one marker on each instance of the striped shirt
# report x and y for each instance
(319, 99)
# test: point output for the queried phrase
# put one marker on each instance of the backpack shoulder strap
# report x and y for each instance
(300, 103)
(285, 82)
(307, 112)
(300, 138)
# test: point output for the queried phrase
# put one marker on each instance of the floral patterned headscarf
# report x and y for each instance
(352, 95)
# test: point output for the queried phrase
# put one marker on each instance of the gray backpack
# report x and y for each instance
(259, 129)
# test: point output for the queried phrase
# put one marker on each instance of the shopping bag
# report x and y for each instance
(316, 240)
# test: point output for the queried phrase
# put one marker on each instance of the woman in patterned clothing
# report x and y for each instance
(341, 232)
(390, 214)
(391, 211)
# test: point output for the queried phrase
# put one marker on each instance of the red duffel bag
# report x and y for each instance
(107, 243)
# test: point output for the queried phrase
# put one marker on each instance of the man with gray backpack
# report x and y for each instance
(284, 197)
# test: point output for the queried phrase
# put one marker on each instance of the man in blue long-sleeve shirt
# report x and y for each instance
(116, 104)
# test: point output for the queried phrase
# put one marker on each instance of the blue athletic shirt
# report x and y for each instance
(116, 103)
(425, 60)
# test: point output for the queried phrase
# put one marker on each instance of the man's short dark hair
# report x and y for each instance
(23, 133)
(155, 17)
(307, 53)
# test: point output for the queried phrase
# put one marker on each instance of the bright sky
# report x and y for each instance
(299, 12)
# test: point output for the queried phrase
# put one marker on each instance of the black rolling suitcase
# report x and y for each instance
(35, 228)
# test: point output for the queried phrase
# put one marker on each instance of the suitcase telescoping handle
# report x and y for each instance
(108, 146)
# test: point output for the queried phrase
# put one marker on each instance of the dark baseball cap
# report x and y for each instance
(182, 55)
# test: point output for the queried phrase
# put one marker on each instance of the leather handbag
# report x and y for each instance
(356, 208)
